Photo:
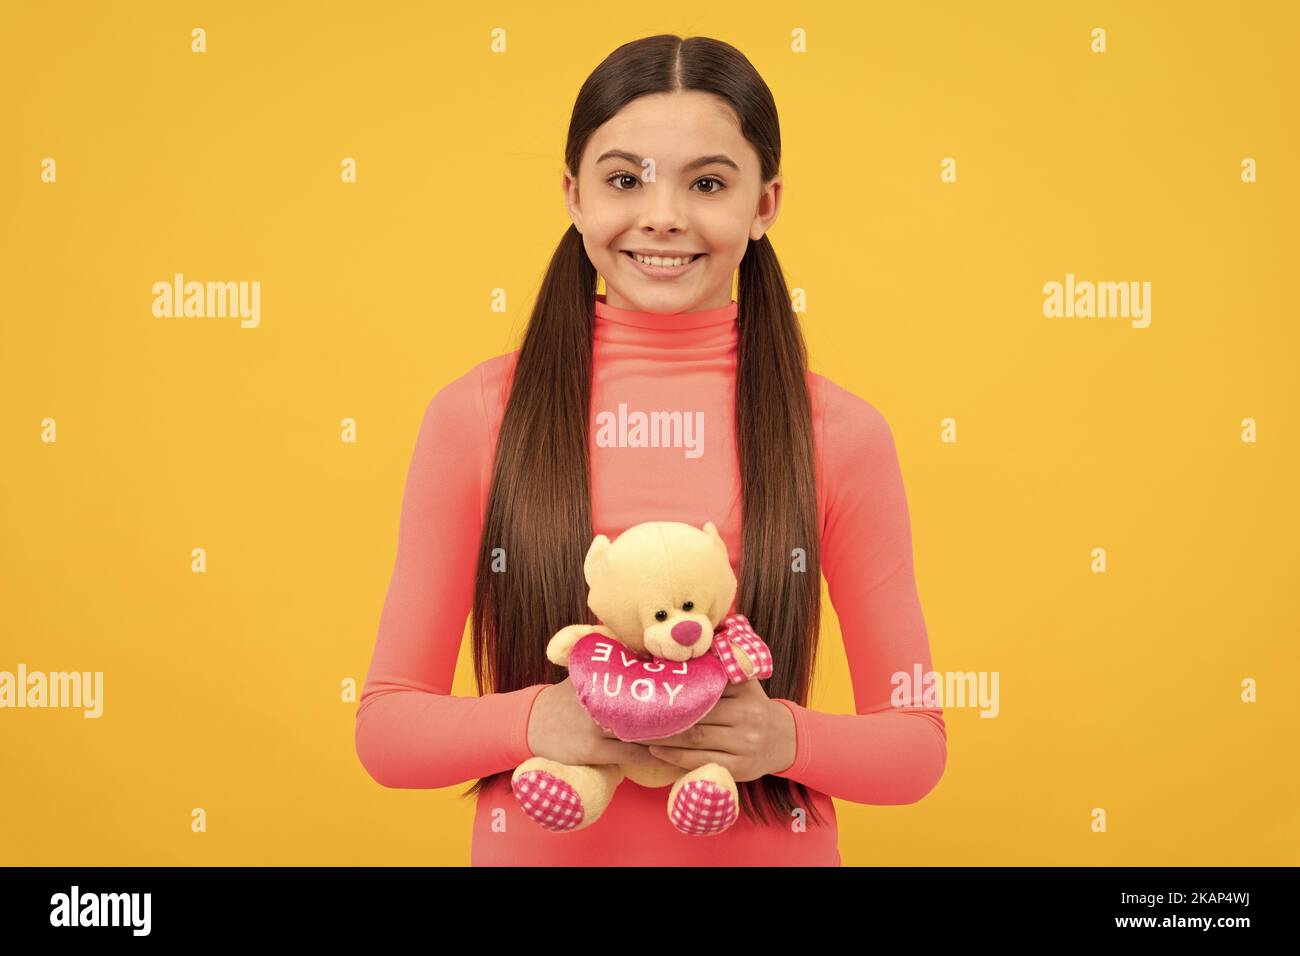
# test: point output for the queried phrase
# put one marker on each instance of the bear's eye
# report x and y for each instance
(688, 605)
(661, 615)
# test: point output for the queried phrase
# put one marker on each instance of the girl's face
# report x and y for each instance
(670, 174)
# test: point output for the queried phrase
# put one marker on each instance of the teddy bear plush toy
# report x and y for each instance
(658, 662)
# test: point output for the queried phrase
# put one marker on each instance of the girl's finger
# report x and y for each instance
(712, 737)
(690, 759)
(637, 754)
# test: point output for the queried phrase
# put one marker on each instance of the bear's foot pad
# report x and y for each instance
(548, 800)
(703, 808)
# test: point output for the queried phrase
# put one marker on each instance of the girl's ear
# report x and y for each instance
(569, 186)
(595, 558)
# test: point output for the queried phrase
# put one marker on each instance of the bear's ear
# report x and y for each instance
(595, 558)
(712, 531)
(725, 592)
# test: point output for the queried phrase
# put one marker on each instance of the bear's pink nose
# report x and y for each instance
(687, 632)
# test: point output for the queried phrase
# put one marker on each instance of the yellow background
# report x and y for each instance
(222, 690)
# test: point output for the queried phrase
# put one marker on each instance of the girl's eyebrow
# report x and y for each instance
(720, 158)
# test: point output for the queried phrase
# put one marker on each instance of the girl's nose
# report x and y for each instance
(687, 632)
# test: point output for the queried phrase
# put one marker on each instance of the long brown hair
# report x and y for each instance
(539, 506)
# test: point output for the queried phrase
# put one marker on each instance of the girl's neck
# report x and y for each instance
(716, 298)
(721, 316)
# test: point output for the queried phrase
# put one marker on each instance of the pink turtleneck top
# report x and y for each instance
(410, 731)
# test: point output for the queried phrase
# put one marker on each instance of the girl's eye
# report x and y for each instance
(620, 177)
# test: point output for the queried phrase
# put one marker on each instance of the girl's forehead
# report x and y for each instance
(671, 121)
(680, 149)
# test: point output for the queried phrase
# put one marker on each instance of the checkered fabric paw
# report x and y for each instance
(550, 801)
(703, 808)
(736, 628)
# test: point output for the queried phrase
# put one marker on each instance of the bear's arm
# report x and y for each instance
(560, 646)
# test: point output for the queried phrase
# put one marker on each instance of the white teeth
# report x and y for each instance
(661, 261)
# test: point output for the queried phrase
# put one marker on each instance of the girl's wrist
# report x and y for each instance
(788, 749)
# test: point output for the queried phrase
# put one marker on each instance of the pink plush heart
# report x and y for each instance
(638, 696)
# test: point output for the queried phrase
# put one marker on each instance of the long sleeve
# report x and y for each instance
(409, 731)
(883, 754)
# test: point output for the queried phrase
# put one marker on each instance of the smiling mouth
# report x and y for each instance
(688, 261)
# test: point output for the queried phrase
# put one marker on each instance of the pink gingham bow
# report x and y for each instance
(735, 627)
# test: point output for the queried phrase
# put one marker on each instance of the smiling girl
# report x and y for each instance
(672, 183)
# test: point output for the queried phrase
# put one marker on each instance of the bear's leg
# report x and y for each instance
(561, 797)
(704, 801)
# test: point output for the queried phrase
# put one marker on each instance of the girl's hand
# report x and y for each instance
(559, 728)
(746, 731)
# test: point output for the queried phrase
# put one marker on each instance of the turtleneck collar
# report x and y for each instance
(719, 319)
